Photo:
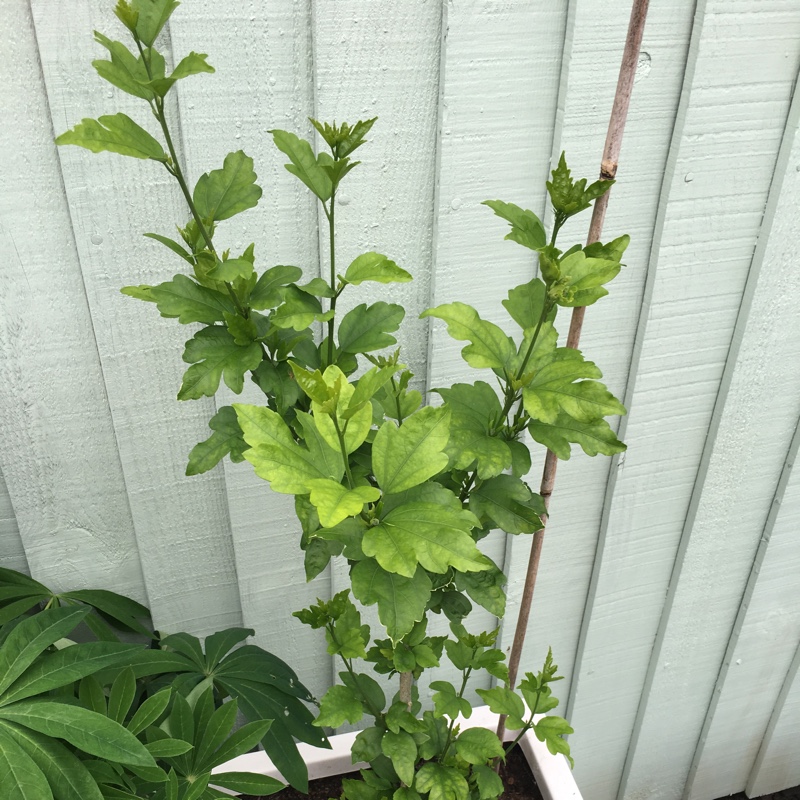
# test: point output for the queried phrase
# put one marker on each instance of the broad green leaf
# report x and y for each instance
(125, 70)
(372, 381)
(67, 775)
(490, 785)
(298, 310)
(66, 666)
(406, 456)
(125, 612)
(525, 304)
(475, 411)
(367, 687)
(227, 438)
(489, 346)
(152, 16)
(401, 601)
(149, 711)
(354, 428)
(247, 783)
(570, 197)
(115, 133)
(267, 291)
(367, 745)
(583, 278)
(478, 745)
(442, 783)
(593, 437)
(366, 328)
(426, 534)
(20, 777)
(509, 504)
(92, 696)
(231, 269)
(613, 251)
(404, 793)
(334, 502)
(401, 749)
(188, 301)
(485, 588)
(328, 459)
(86, 730)
(550, 731)
(214, 356)
(349, 638)
(221, 193)
(304, 164)
(556, 387)
(526, 227)
(193, 64)
(446, 701)
(339, 705)
(503, 701)
(375, 267)
(32, 637)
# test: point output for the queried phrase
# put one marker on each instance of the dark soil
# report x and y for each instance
(516, 775)
(786, 794)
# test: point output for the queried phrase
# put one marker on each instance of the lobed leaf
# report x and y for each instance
(115, 133)
(221, 193)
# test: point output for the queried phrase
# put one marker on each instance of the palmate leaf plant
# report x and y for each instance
(403, 491)
(134, 697)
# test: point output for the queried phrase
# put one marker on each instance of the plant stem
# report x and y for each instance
(332, 238)
(397, 402)
(448, 740)
(608, 169)
(406, 682)
(343, 448)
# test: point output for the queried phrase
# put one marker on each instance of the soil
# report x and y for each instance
(786, 794)
(516, 775)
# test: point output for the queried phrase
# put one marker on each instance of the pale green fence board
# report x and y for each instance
(59, 455)
(264, 81)
(701, 258)
(730, 507)
(181, 524)
(12, 549)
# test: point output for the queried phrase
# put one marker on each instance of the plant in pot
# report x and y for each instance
(404, 492)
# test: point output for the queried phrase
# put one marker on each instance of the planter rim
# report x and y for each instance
(553, 775)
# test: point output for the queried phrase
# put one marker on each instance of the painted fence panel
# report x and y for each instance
(12, 549)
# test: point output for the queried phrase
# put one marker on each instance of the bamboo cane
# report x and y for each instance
(608, 170)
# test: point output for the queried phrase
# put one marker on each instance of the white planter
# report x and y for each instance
(552, 773)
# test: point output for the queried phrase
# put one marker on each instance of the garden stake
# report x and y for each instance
(608, 171)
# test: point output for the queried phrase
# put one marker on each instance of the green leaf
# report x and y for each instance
(339, 705)
(247, 783)
(86, 730)
(172, 245)
(32, 637)
(613, 251)
(426, 534)
(227, 438)
(231, 269)
(368, 328)
(334, 502)
(475, 411)
(125, 70)
(401, 748)
(367, 745)
(583, 278)
(188, 301)
(526, 227)
(355, 428)
(375, 267)
(193, 64)
(304, 164)
(503, 701)
(116, 133)
(214, 355)
(485, 588)
(509, 504)
(525, 304)
(478, 745)
(66, 774)
(489, 346)
(442, 783)
(593, 437)
(344, 139)
(446, 701)
(152, 16)
(288, 466)
(168, 748)
(221, 193)
(267, 293)
(349, 637)
(298, 310)
(490, 785)
(401, 601)
(20, 777)
(550, 730)
(405, 456)
(570, 197)
(149, 711)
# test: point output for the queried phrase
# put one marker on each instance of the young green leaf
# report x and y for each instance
(193, 64)
(582, 279)
(375, 267)
(221, 193)
(115, 133)
(526, 227)
(334, 502)
(267, 293)
(226, 439)
(570, 197)
(152, 16)
(593, 437)
(446, 701)
(550, 730)
(526, 303)
(125, 70)
(339, 705)
(303, 163)
(231, 269)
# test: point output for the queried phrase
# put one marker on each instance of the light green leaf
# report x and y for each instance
(443, 783)
(335, 502)
(583, 279)
(550, 730)
(613, 251)
(328, 459)
(339, 705)
(188, 301)
(446, 701)
(375, 267)
(125, 70)
(86, 730)
(503, 701)
(247, 783)
(153, 15)
(227, 438)
(478, 745)
(364, 329)
(115, 133)
(141, 292)
(593, 437)
(221, 193)
(526, 227)
(401, 749)
(20, 777)
(304, 164)
(570, 197)
(298, 310)
(193, 64)
(267, 293)
(406, 456)
(426, 534)
(401, 601)
(354, 428)
(231, 270)
(525, 304)
(490, 785)
(372, 381)
(214, 355)
(509, 504)
(489, 346)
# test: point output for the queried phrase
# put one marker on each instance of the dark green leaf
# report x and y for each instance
(593, 437)
(364, 328)
(247, 783)
(221, 193)
(20, 777)
(149, 711)
(188, 301)
(442, 783)
(298, 310)
(168, 748)
(509, 504)
(401, 748)
(227, 438)
(267, 291)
